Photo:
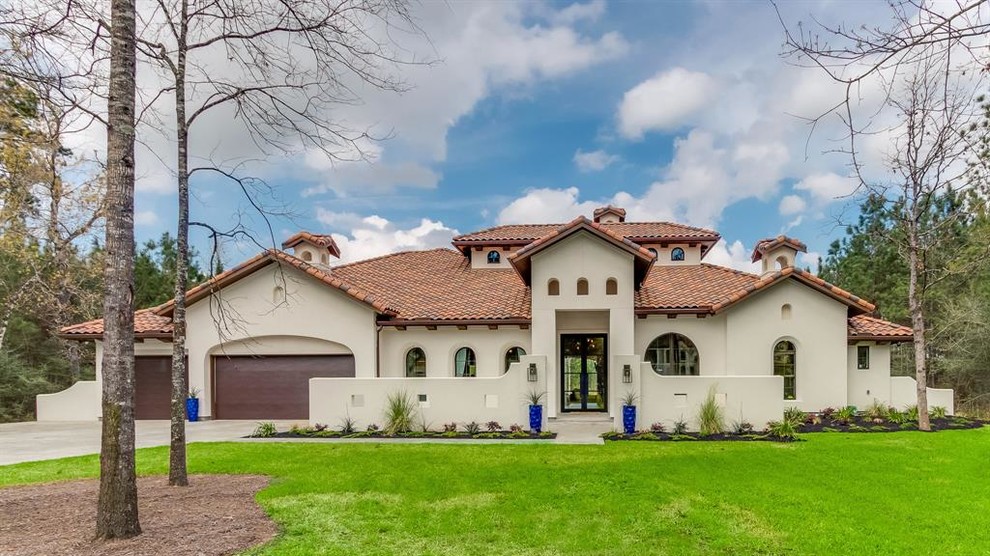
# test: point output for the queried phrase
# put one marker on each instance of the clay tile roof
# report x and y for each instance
(767, 244)
(320, 240)
(862, 327)
(146, 325)
(439, 285)
(601, 211)
(698, 288)
(640, 232)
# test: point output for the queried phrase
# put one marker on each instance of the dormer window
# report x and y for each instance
(307, 256)
(494, 257)
(677, 254)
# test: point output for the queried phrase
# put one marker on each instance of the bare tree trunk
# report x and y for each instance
(177, 475)
(916, 307)
(117, 509)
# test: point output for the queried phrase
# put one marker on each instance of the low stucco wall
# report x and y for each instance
(666, 399)
(448, 399)
(79, 402)
(904, 393)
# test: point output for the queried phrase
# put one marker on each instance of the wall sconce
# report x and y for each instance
(531, 376)
(627, 374)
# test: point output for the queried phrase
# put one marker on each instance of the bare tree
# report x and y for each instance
(117, 511)
(287, 65)
(924, 70)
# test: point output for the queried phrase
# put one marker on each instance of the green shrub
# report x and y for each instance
(912, 413)
(794, 416)
(629, 398)
(895, 417)
(680, 426)
(400, 413)
(710, 415)
(347, 425)
(845, 415)
(877, 410)
(265, 429)
(472, 428)
(782, 429)
(938, 412)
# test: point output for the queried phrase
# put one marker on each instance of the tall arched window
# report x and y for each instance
(677, 254)
(673, 354)
(512, 356)
(611, 286)
(465, 363)
(582, 286)
(553, 287)
(785, 365)
(415, 363)
(494, 257)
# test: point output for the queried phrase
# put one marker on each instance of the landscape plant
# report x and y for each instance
(711, 419)
(794, 416)
(783, 429)
(265, 429)
(400, 412)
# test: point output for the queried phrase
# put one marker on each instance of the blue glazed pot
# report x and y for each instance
(192, 409)
(629, 419)
(536, 418)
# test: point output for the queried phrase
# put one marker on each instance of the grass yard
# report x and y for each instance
(835, 493)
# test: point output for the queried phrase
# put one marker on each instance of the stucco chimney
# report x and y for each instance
(777, 253)
(316, 249)
(609, 214)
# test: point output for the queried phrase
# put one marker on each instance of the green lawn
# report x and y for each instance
(898, 493)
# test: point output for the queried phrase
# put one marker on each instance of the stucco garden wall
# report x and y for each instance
(868, 385)
(441, 344)
(903, 393)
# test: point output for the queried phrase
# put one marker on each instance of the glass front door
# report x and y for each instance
(583, 372)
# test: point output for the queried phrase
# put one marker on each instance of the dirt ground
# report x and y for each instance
(216, 514)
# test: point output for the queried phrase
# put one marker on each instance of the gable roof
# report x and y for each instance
(146, 325)
(643, 259)
(639, 232)
(866, 328)
(609, 209)
(320, 240)
(764, 246)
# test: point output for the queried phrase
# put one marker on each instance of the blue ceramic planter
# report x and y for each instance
(536, 418)
(192, 409)
(629, 419)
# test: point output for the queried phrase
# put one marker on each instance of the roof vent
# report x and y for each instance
(609, 214)
(315, 249)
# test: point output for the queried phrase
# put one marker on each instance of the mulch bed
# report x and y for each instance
(861, 423)
(216, 514)
(647, 436)
(487, 435)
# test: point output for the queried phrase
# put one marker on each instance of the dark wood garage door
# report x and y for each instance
(271, 387)
(152, 387)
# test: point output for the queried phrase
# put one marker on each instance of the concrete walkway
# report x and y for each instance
(32, 441)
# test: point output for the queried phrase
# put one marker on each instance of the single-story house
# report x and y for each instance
(584, 312)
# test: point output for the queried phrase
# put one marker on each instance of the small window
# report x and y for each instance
(611, 286)
(654, 252)
(785, 311)
(677, 254)
(324, 258)
(513, 356)
(785, 365)
(415, 363)
(465, 363)
(782, 263)
(673, 354)
(494, 257)
(553, 287)
(863, 357)
(307, 256)
(582, 286)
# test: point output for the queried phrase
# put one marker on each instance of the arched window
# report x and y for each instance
(611, 286)
(582, 286)
(782, 263)
(677, 254)
(673, 354)
(785, 364)
(415, 363)
(307, 256)
(553, 287)
(785, 311)
(465, 363)
(653, 251)
(512, 356)
(278, 294)
(324, 258)
(494, 257)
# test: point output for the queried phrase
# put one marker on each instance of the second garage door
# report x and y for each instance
(271, 387)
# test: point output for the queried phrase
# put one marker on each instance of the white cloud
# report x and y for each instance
(733, 255)
(546, 206)
(665, 102)
(809, 260)
(146, 218)
(827, 187)
(593, 161)
(577, 12)
(372, 236)
(792, 204)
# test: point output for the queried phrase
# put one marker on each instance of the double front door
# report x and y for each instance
(584, 376)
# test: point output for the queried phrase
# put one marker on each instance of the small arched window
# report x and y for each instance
(582, 286)
(782, 263)
(513, 356)
(278, 294)
(785, 311)
(324, 258)
(307, 256)
(654, 252)
(677, 254)
(673, 354)
(415, 363)
(785, 365)
(611, 286)
(553, 287)
(494, 257)
(465, 363)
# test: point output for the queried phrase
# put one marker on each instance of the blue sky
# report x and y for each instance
(538, 112)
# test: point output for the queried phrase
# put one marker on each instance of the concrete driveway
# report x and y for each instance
(32, 441)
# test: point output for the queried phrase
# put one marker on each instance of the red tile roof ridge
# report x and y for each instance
(395, 254)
